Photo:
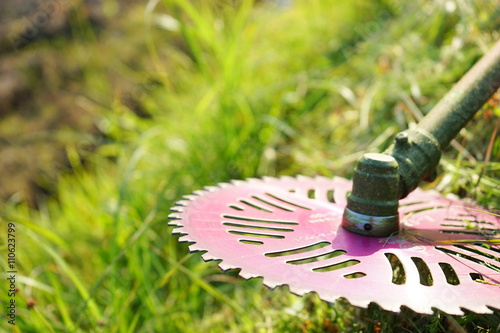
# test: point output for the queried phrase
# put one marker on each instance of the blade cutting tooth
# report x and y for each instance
(323, 179)
(451, 309)
(365, 303)
(174, 216)
(448, 307)
(287, 179)
(195, 248)
(492, 309)
(299, 291)
(247, 275)
(236, 182)
(393, 307)
(175, 224)
(226, 267)
(250, 181)
(304, 178)
(208, 257)
(179, 231)
(255, 180)
(478, 309)
(268, 179)
(211, 188)
(186, 239)
(176, 209)
(270, 283)
(181, 203)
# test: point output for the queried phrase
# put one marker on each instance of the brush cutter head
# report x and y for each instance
(288, 231)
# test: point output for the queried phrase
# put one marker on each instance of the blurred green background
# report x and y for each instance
(110, 111)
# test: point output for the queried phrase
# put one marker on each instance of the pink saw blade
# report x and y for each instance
(288, 231)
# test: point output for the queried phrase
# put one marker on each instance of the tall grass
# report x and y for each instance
(236, 90)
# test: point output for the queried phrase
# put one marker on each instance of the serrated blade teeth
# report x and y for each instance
(185, 239)
(259, 225)
(247, 275)
(211, 188)
(479, 309)
(196, 193)
(270, 283)
(195, 248)
(254, 180)
(225, 266)
(179, 231)
(176, 210)
(365, 303)
(181, 203)
(208, 257)
(175, 216)
(174, 223)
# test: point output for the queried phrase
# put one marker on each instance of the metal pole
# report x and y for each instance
(474, 89)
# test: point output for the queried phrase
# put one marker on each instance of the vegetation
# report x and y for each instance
(235, 89)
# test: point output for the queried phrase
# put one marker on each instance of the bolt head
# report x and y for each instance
(402, 137)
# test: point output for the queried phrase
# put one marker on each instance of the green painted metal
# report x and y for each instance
(375, 194)
(419, 156)
(380, 180)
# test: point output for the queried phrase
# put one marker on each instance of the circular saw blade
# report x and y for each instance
(288, 231)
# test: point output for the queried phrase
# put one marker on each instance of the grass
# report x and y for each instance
(235, 89)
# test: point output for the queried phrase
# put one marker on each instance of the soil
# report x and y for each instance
(41, 112)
